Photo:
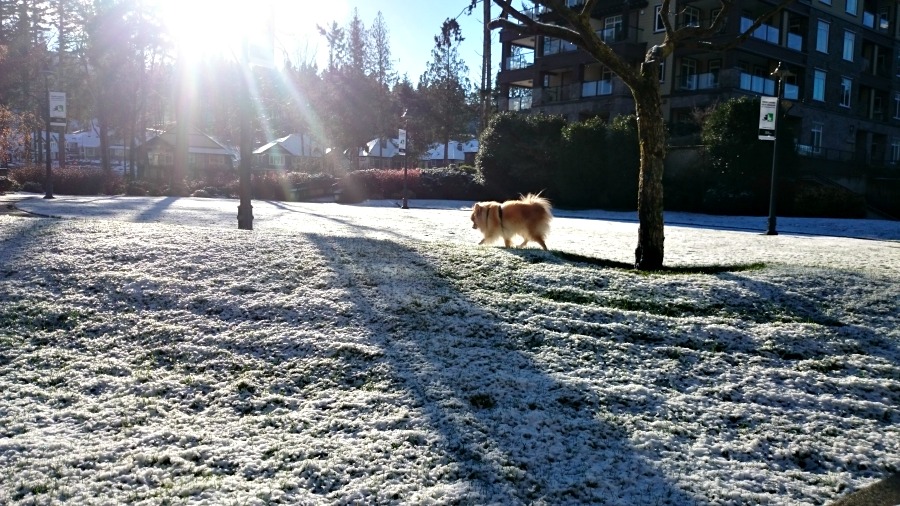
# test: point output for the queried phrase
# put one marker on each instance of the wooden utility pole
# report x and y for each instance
(486, 81)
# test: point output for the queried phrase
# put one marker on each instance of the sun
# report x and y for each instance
(203, 28)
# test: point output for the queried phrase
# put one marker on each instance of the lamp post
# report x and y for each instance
(48, 178)
(404, 148)
(779, 74)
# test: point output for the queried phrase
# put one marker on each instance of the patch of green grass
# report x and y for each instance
(682, 269)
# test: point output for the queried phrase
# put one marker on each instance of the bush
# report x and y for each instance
(828, 202)
(520, 153)
(741, 163)
(71, 180)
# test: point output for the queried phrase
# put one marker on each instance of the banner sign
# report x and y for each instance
(401, 141)
(768, 106)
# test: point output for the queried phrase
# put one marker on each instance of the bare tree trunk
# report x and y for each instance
(652, 135)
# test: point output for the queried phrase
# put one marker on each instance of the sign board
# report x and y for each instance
(768, 107)
(57, 108)
(401, 141)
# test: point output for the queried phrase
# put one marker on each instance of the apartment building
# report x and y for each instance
(842, 89)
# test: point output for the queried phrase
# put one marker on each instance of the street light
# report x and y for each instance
(48, 179)
(779, 74)
(404, 148)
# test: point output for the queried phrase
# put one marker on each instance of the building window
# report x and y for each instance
(662, 72)
(895, 151)
(612, 28)
(659, 26)
(851, 7)
(849, 44)
(822, 37)
(846, 86)
(815, 140)
(276, 160)
(896, 105)
(688, 74)
(826, 2)
(819, 85)
(691, 16)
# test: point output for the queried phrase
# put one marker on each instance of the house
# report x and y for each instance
(295, 152)
(206, 156)
(381, 153)
(842, 84)
(459, 153)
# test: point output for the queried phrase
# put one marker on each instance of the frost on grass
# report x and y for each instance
(154, 363)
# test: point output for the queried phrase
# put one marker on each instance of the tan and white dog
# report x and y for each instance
(528, 217)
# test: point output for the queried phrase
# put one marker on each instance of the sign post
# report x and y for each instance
(401, 141)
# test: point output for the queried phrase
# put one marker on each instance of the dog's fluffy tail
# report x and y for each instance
(535, 198)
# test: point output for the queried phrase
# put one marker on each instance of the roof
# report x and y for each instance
(457, 150)
(294, 144)
(381, 147)
(198, 143)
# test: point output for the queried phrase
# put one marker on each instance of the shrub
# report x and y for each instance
(71, 180)
(741, 163)
(520, 153)
(828, 202)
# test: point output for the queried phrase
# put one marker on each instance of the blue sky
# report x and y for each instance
(412, 25)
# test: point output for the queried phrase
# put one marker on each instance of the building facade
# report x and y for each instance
(842, 89)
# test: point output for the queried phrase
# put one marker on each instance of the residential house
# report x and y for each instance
(381, 153)
(295, 152)
(458, 153)
(206, 156)
(842, 88)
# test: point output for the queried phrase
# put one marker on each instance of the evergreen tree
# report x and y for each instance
(446, 89)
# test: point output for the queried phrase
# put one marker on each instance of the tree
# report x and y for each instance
(574, 25)
(446, 88)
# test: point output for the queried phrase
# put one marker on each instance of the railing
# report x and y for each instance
(552, 94)
(520, 61)
(705, 81)
(596, 88)
(795, 41)
(520, 103)
(554, 46)
(766, 86)
(764, 32)
(612, 34)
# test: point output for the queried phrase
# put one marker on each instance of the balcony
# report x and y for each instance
(695, 82)
(556, 46)
(522, 103)
(596, 88)
(766, 86)
(519, 61)
(764, 32)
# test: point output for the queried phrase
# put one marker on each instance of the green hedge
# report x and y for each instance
(71, 180)
(578, 165)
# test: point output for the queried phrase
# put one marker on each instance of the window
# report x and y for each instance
(896, 105)
(612, 28)
(691, 16)
(276, 160)
(715, 66)
(846, 86)
(849, 43)
(662, 72)
(659, 26)
(819, 85)
(895, 151)
(816, 138)
(851, 7)
(688, 74)
(826, 2)
(822, 36)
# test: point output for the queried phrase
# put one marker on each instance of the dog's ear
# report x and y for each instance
(476, 207)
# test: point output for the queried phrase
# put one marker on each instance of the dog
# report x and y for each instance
(528, 217)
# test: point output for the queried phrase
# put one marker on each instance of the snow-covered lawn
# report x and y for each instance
(152, 353)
